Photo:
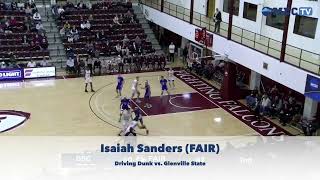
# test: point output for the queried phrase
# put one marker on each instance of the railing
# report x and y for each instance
(295, 56)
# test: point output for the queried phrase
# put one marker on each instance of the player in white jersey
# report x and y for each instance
(125, 121)
(88, 79)
(171, 78)
(135, 89)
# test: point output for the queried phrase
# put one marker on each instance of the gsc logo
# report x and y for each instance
(302, 11)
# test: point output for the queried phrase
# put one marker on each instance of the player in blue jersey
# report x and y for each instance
(164, 87)
(138, 118)
(124, 106)
(147, 95)
(120, 82)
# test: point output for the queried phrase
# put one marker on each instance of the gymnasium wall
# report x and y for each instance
(283, 73)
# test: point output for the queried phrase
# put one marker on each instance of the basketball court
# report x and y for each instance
(60, 107)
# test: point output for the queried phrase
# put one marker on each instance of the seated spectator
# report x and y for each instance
(137, 41)
(44, 62)
(20, 5)
(251, 100)
(89, 5)
(90, 17)
(60, 10)
(133, 21)
(25, 40)
(39, 27)
(118, 49)
(74, 33)
(81, 5)
(36, 16)
(70, 65)
(116, 20)
(111, 29)
(3, 65)
(85, 25)
(66, 26)
(44, 43)
(13, 22)
(69, 52)
(125, 41)
(31, 64)
(28, 11)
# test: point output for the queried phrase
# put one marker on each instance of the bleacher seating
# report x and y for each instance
(18, 34)
(102, 17)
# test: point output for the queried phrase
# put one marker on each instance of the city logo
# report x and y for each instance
(10, 119)
(301, 11)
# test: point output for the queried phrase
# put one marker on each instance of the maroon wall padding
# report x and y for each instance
(229, 87)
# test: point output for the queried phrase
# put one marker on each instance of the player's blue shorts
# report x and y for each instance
(147, 96)
(164, 88)
(125, 108)
(119, 87)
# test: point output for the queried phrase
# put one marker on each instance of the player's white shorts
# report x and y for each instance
(88, 80)
(125, 124)
(170, 78)
(135, 91)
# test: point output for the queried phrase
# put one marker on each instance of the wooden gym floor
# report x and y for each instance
(60, 107)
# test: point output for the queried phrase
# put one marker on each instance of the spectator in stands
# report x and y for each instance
(133, 21)
(27, 23)
(251, 100)
(31, 64)
(137, 41)
(20, 5)
(28, 11)
(3, 65)
(43, 43)
(118, 49)
(116, 20)
(217, 20)
(44, 62)
(172, 48)
(111, 28)
(89, 5)
(74, 33)
(60, 11)
(25, 40)
(69, 52)
(85, 25)
(276, 106)
(81, 5)
(125, 41)
(13, 22)
(39, 28)
(66, 26)
(70, 65)
(90, 17)
(90, 48)
(36, 16)
(265, 105)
